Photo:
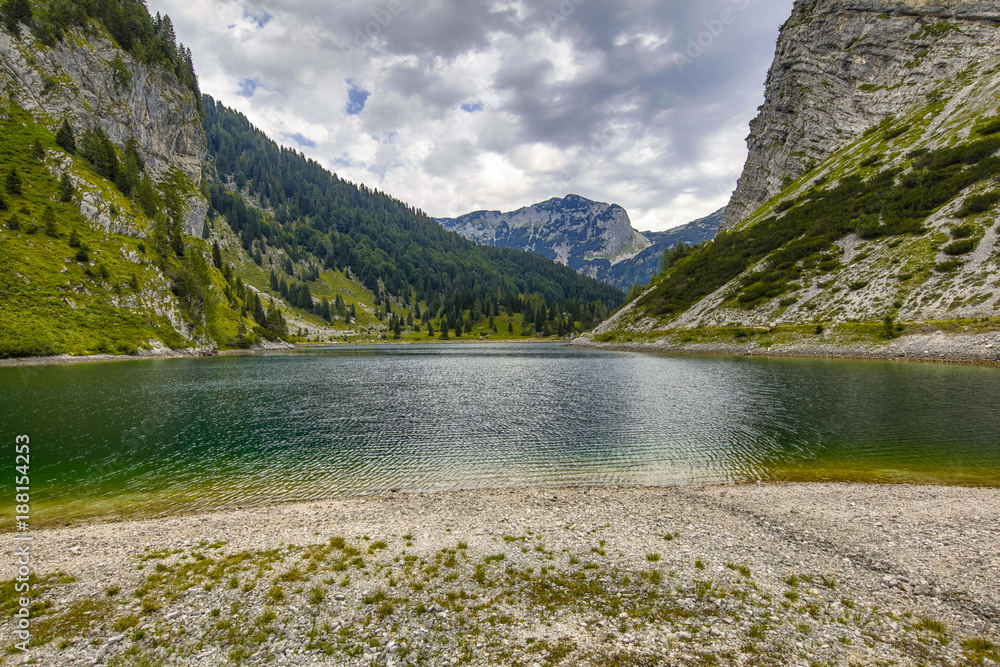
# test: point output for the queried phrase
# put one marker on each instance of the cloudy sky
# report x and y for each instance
(460, 105)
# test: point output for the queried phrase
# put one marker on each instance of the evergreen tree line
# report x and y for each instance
(385, 243)
(248, 303)
(150, 40)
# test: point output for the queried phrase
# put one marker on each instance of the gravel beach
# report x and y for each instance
(767, 574)
(938, 346)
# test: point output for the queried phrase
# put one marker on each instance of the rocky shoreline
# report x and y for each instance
(154, 353)
(766, 574)
(939, 347)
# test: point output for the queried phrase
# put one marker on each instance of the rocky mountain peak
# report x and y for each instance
(572, 230)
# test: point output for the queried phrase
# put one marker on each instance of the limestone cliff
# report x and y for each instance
(841, 66)
(96, 243)
(74, 80)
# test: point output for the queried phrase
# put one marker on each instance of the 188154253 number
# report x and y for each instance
(22, 480)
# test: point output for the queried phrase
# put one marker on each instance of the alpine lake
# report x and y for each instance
(138, 438)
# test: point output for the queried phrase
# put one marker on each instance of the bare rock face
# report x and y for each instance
(572, 230)
(74, 80)
(841, 67)
(593, 238)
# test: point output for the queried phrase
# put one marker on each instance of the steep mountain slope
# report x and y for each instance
(594, 238)
(841, 67)
(891, 230)
(100, 153)
(296, 218)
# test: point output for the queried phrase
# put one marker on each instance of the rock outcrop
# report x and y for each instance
(842, 66)
(74, 81)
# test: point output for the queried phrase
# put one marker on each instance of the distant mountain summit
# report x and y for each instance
(594, 238)
(572, 230)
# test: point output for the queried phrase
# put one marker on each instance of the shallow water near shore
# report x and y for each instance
(133, 438)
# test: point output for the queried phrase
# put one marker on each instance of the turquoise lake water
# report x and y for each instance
(138, 437)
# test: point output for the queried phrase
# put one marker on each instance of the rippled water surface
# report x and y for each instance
(122, 438)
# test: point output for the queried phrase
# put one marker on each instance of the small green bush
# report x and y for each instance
(871, 160)
(978, 204)
(892, 134)
(963, 231)
(948, 266)
(991, 127)
(962, 247)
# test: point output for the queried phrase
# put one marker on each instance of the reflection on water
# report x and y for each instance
(131, 437)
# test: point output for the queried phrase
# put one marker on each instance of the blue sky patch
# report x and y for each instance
(248, 87)
(261, 18)
(356, 98)
(302, 140)
(473, 107)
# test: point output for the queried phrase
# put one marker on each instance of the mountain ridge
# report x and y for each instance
(570, 221)
(594, 238)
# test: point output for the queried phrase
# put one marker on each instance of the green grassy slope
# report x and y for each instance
(57, 298)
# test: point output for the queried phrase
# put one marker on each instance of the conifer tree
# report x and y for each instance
(49, 222)
(65, 188)
(16, 12)
(176, 238)
(13, 182)
(258, 311)
(305, 298)
(146, 196)
(65, 138)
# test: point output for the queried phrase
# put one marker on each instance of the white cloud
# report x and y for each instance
(493, 104)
